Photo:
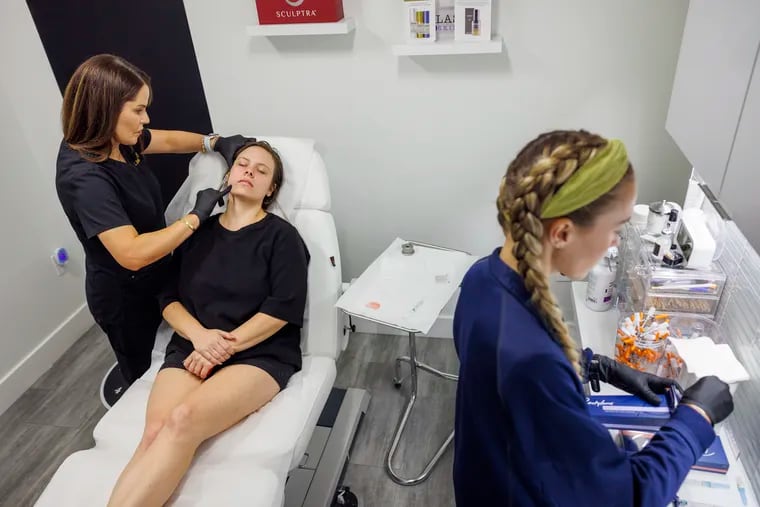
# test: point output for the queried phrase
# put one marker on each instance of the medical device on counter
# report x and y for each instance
(695, 240)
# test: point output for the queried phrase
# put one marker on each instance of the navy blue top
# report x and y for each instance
(524, 436)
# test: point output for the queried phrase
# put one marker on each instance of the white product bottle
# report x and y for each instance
(601, 283)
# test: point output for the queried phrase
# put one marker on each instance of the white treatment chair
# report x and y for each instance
(249, 463)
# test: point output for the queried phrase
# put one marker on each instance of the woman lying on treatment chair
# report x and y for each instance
(236, 307)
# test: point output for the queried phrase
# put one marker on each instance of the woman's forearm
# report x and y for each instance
(134, 251)
(181, 320)
(176, 141)
(255, 330)
(151, 246)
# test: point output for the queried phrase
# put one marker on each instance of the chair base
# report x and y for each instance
(112, 386)
(315, 481)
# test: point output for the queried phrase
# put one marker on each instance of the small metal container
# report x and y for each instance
(407, 248)
(658, 216)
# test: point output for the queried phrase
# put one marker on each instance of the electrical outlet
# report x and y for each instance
(60, 269)
(59, 259)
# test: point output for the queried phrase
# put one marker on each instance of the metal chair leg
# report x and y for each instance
(398, 379)
(403, 419)
(439, 373)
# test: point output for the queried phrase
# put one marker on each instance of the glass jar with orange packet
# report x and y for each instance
(641, 340)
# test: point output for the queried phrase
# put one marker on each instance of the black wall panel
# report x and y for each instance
(152, 34)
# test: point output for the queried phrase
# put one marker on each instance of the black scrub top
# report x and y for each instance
(99, 196)
(223, 278)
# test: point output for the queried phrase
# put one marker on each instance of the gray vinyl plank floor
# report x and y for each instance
(52, 419)
(368, 363)
(55, 418)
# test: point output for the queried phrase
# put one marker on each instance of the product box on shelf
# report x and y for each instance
(299, 11)
(472, 20)
(420, 20)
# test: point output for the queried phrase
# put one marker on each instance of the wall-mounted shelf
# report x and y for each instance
(495, 45)
(341, 27)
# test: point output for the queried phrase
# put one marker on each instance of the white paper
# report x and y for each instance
(703, 358)
(407, 291)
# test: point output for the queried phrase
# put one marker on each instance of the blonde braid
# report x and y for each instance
(550, 160)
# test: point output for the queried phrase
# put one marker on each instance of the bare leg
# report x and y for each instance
(172, 385)
(220, 402)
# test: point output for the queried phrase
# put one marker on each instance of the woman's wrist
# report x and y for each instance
(234, 344)
(699, 410)
(193, 220)
(194, 333)
(208, 142)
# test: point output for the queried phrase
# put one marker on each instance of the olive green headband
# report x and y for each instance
(601, 172)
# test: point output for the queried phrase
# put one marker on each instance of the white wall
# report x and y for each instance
(41, 314)
(415, 147)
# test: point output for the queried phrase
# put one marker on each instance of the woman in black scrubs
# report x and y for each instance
(113, 200)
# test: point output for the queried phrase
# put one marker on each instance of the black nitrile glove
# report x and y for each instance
(644, 385)
(227, 146)
(206, 200)
(711, 395)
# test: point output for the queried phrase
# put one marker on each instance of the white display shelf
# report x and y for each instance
(341, 27)
(449, 47)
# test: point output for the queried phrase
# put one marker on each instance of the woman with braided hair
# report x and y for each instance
(524, 436)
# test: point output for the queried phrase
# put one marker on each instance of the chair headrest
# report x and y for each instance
(305, 184)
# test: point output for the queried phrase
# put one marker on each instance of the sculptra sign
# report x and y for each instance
(299, 11)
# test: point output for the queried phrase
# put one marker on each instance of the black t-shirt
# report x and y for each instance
(223, 278)
(99, 196)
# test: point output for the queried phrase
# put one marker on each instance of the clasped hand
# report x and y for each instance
(212, 348)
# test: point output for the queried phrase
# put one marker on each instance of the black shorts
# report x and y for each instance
(281, 372)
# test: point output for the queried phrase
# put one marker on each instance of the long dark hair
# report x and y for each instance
(93, 100)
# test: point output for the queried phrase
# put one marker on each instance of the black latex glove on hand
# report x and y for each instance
(206, 201)
(227, 146)
(711, 395)
(644, 385)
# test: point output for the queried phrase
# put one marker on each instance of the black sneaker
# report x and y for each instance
(112, 387)
(344, 497)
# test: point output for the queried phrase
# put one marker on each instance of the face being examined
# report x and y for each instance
(582, 247)
(251, 174)
(133, 116)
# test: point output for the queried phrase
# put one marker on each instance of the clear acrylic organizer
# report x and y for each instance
(643, 283)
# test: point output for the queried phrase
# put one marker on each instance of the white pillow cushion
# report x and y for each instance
(208, 170)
